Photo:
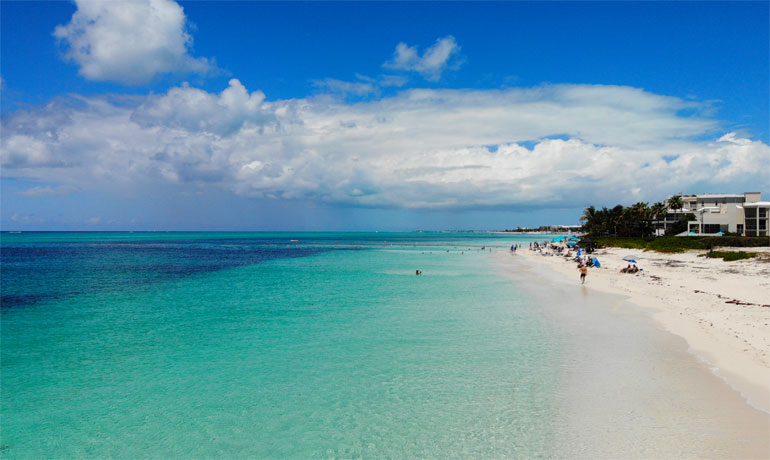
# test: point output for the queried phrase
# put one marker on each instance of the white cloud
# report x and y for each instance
(359, 88)
(365, 85)
(197, 110)
(392, 80)
(556, 145)
(61, 190)
(129, 41)
(431, 64)
(26, 219)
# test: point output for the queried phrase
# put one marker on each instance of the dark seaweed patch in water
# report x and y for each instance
(21, 300)
(44, 272)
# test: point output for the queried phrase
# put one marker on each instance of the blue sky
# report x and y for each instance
(363, 116)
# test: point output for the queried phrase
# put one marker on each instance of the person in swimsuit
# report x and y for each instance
(583, 273)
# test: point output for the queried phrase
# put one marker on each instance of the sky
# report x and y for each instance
(360, 116)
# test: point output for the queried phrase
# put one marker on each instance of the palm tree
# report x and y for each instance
(658, 211)
(614, 219)
(675, 202)
(589, 219)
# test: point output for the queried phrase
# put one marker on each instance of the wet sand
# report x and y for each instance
(630, 388)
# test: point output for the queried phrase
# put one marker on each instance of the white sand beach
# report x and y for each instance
(722, 309)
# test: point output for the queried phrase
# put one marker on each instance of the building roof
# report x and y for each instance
(720, 195)
(757, 204)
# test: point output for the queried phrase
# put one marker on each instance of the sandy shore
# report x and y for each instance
(722, 309)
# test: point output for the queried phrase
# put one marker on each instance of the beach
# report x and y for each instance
(720, 308)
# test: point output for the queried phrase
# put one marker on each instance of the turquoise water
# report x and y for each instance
(257, 346)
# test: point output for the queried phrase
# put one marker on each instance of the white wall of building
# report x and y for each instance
(724, 213)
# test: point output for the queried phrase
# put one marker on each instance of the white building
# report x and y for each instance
(560, 228)
(756, 217)
(745, 214)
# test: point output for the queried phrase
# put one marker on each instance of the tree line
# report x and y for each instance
(637, 220)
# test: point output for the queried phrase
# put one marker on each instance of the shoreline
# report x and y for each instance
(715, 306)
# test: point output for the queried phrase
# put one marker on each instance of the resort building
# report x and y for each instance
(560, 228)
(745, 214)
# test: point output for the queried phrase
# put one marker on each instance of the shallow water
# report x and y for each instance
(328, 352)
(628, 389)
(328, 345)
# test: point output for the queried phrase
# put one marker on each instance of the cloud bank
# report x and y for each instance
(547, 146)
(129, 41)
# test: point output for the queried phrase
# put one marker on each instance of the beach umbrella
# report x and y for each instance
(571, 244)
(631, 259)
(558, 239)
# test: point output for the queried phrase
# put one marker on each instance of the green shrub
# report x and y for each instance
(680, 225)
(730, 256)
(673, 244)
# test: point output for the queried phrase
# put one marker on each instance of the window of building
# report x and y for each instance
(750, 212)
(740, 229)
(762, 212)
(763, 225)
(711, 228)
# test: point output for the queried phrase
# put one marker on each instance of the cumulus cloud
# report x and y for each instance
(129, 41)
(49, 191)
(431, 64)
(193, 109)
(554, 145)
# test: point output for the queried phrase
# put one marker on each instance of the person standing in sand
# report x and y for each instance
(583, 273)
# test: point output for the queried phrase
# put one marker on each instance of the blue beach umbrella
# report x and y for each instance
(631, 259)
(571, 244)
(558, 239)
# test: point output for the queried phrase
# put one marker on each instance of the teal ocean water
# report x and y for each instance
(255, 345)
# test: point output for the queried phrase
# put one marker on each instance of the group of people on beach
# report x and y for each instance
(630, 269)
(546, 248)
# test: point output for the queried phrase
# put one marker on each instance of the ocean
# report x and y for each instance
(271, 345)
(329, 345)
